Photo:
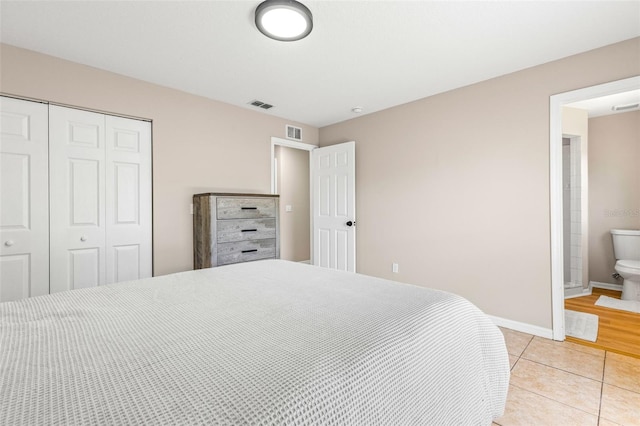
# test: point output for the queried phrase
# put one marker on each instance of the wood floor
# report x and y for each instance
(618, 331)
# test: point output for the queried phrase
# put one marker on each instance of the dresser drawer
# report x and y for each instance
(244, 251)
(245, 208)
(246, 229)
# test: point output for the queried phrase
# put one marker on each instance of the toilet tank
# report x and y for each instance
(626, 243)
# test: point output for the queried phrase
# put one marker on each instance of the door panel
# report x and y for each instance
(128, 214)
(77, 185)
(342, 192)
(15, 277)
(323, 195)
(126, 193)
(333, 170)
(84, 267)
(322, 254)
(84, 134)
(15, 180)
(84, 191)
(341, 249)
(127, 262)
(24, 199)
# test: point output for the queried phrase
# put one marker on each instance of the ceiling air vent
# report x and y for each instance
(624, 107)
(260, 104)
(294, 133)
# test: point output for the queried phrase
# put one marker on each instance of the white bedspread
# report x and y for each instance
(268, 342)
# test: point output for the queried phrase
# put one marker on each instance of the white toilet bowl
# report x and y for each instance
(626, 248)
(629, 270)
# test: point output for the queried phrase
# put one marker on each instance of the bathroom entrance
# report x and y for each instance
(582, 101)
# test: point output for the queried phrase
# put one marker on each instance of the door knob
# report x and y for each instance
(83, 238)
(351, 223)
(8, 243)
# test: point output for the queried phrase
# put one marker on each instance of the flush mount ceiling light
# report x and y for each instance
(284, 20)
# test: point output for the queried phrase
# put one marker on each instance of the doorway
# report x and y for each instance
(557, 102)
(290, 178)
(329, 204)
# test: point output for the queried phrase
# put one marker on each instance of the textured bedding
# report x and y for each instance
(260, 343)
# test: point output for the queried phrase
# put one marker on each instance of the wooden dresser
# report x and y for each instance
(234, 228)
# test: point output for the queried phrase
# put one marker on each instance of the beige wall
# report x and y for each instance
(293, 187)
(198, 145)
(575, 122)
(455, 187)
(614, 186)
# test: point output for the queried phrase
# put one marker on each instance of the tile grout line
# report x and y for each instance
(613, 384)
(567, 372)
(564, 371)
(575, 349)
(525, 348)
(556, 401)
(520, 356)
(621, 388)
(604, 365)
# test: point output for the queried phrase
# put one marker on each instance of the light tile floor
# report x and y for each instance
(563, 383)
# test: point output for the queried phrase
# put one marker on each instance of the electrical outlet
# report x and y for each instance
(288, 208)
(394, 268)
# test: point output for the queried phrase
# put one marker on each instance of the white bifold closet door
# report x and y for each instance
(24, 206)
(100, 199)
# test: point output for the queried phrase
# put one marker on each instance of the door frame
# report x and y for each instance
(556, 102)
(305, 147)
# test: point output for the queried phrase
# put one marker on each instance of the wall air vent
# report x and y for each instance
(260, 104)
(294, 133)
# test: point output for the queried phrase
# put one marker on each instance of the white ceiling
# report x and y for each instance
(604, 105)
(372, 54)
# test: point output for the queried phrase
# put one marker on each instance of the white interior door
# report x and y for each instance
(24, 201)
(128, 163)
(334, 206)
(77, 191)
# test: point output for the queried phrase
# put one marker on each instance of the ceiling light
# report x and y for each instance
(284, 20)
(356, 110)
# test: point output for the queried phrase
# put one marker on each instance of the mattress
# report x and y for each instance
(261, 343)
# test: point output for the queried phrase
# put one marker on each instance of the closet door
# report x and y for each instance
(77, 191)
(128, 163)
(24, 225)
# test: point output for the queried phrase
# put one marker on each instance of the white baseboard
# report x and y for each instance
(606, 286)
(536, 330)
(570, 293)
(308, 262)
(547, 333)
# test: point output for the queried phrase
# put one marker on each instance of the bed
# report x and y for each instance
(259, 343)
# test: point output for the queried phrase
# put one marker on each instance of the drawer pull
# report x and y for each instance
(249, 230)
(249, 251)
(248, 208)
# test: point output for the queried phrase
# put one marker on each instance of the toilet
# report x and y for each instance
(626, 248)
